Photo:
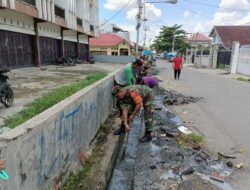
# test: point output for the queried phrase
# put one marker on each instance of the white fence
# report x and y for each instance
(240, 62)
(244, 60)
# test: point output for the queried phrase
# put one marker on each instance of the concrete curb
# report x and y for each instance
(123, 175)
(30, 124)
(49, 146)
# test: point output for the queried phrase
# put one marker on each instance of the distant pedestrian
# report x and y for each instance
(177, 66)
(151, 82)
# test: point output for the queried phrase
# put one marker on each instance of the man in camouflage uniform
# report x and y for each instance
(131, 100)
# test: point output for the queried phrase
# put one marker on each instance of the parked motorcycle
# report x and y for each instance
(6, 92)
(91, 60)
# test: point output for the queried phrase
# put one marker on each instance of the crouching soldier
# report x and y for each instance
(136, 97)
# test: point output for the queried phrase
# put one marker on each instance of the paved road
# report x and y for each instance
(227, 101)
(226, 104)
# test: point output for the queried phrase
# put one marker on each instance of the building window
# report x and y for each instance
(32, 2)
(91, 28)
(79, 21)
(114, 53)
(59, 12)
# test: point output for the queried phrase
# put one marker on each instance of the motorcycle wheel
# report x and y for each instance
(9, 99)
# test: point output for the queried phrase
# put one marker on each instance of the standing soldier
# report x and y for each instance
(136, 97)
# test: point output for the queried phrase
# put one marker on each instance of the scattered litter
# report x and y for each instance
(163, 135)
(216, 176)
(221, 155)
(174, 98)
(171, 135)
(153, 167)
(241, 151)
(189, 170)
(184, 130)
(198, 158)
(239, 166)
(175, 163)
(158, 108)
(230, 164)
(197, 147)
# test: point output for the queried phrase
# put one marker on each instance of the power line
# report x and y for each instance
(215, 6)
(118, 12)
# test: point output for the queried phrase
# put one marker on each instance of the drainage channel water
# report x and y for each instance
(123, 174)
(162, 162)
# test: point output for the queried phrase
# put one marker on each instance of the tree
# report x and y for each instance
(164, 41)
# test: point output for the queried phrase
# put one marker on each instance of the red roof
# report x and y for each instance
(230, 34)
(106, 40)
(198, 37)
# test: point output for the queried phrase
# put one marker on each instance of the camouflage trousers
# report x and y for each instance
(148, 113)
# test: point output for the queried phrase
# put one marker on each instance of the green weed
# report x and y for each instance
(243, 79)
(191, 139)
(85, 176)
(50, 99)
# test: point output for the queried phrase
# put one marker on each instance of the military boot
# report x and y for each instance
(147, 137)
(121, 130)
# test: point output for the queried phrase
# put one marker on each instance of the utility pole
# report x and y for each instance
(138, 19)
(145, 28)
(138, 26)
(173, 43)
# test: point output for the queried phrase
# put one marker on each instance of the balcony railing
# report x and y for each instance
(32, 2)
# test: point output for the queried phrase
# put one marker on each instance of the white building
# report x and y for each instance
(38, 32)
(114, 29)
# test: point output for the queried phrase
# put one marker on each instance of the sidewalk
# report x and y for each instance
(223, 73)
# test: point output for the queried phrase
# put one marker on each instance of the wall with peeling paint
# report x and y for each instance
(49, 146)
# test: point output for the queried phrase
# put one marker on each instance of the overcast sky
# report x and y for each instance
(194, 17)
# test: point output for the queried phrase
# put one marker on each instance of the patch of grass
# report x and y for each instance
(85, 176)
(243, 79)
(50, 99)
(222, 66)
(191, 139)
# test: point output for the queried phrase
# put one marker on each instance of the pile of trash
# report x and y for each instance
(168, 164)
(175, 98)
(152, 71)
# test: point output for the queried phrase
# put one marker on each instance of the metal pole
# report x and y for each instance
(173, 44)
(138, 26)
(145, 35)
(138, 17)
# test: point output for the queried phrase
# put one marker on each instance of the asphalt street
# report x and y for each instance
(224, 112)
(226, 101)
